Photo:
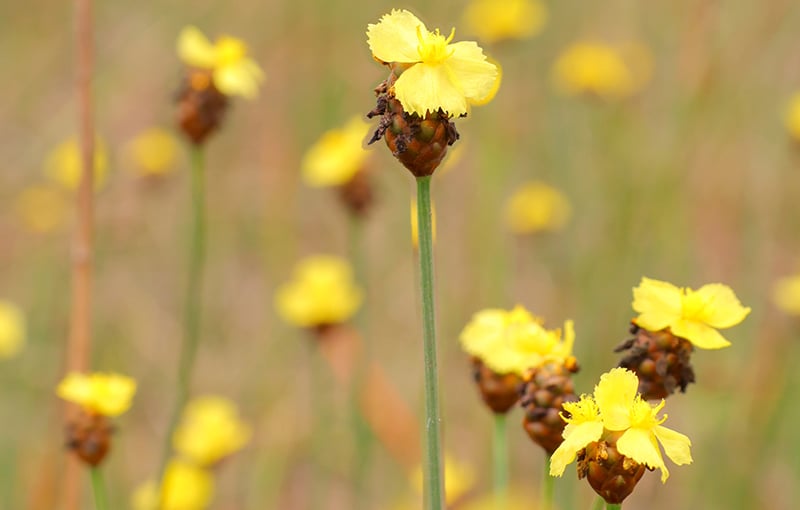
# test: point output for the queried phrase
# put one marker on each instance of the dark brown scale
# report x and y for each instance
(543, 392)
(357, 194)
(499, 391)
(612, 475)
(89, 436)
(201, 106)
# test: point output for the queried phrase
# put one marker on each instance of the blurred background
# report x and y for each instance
(685, 173)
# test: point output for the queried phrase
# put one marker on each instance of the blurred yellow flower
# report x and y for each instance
(63, 164)
(515, 341)
(517, 499)
(106, 394)
(597, 68)
(496, 20)
(459, 479)
(792, 118)
(186, 487)
(233, 72)
(153, 151)
(12, 329)
(536, 207)
(617, 407)
(786, 294)
(42, 208)
(694, 315)
(437, 74)
(415, 223)
(321, 293)
(210, 430)
(337, 155)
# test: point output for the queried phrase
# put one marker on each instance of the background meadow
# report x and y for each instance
(693, 179)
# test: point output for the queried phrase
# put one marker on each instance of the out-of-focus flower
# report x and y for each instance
(42, 208)
(12, 329)
(99, 393)
(786, 294)
(153, 152)
(435, 72)
(337, 156)
(321, 293)
(63, 164)
(792, 116)
(536, 207)
(415, 223)
(611, 72)
(186, 487)
(210, 430)
(691, 314)
(517, 499)
(232, 71)
(515, 341)
(459, 479)
(493, 20)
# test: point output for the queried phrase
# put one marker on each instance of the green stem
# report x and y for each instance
(99, 489)
(500, 457)
(547, 485)
(613, 506)
(433, 484)
(192, 300)
(599, 503)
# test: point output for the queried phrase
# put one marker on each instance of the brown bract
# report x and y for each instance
(89, 436)
(612, 475)
(499, 391)
(544, 391)
(201, 106)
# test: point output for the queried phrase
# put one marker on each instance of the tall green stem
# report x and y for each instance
(613, 506)
(500, 458)
(99, 489)
(547, 485)
(192, 299)
(433, 485)
(599, 503)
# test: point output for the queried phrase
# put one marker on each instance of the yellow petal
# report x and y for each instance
(12, 329)
(210, 430)
(107, 394)
(239, 79)
(641, 446)
(186, 486)
(195, 49)
(153, 151)
(722, 308)
(676, 445)
(394, 37)
(792, 116)
(615, 394)
(337, 156)
(699, 334)
(576, 437)
(658, 304)
(493, 21)
(536, 206)
(469, 69)
(428, 87)
(786, 294)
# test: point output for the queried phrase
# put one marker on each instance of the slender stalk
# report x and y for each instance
(79, 343)
(547, 486)
(613, 506)
(99, 489)
(433, 483)
(500, 457)
(599, 503)
(192, 300)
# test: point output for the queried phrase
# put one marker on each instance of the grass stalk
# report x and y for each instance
(500, 460)
(548, 483)
(99, 489)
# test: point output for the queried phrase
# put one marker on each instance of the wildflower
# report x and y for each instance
(786, 294)
(322, 293)
(597, 68)
(415, 223)
(42, 209)
(615, 435)
(12, 329)
(792, 116)
(210, 430)
(459, 479)
(153, 151)
(494, 21)
(64, 164)
(186, 487)
(536, 207)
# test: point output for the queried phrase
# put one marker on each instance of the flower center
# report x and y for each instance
(693, 306)
(229, 51)
(433, 46)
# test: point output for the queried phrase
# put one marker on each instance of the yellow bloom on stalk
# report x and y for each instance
(515, 341)
(786, 294)
(496, 20)
(536, 207)
(598, 68)
(436, 73)
(42, 208)
(210, 430)
(694, 315)
(63, 164)
(153, 151)
(106, 394)
(12, 329)
(617, 407)
(186, 487)
(233, 72)
(321, 293)
(459, 479)
(337, 156)
(415, 223)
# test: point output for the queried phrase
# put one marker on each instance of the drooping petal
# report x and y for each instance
(701, 335)
(195, 49)
(658, 304)
(576, 437)
(394, 37)
(641, 446)
(676, 445)
(240, 79)
(475, 75)
(428, 87)
(722, 308)
(615, 394)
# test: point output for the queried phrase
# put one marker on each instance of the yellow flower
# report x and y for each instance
(42, 208)
(515, 341)
(337, 156)
(210, 430)
(186, 487)
(12, 329)
(153, 151)
(786, 294)
(437, 74)
(63, 164)
(792, 118)
(617, 407)
(535, 207)
(459, 479)
(234, 74)
(602, 69)
(415, 223)
(106, 394)
(691, 314)
(496, 20)
(322, 292)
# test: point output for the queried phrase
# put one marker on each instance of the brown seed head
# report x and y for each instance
(201, 106)
(612, 475)
(89, 436)
(544, 391)
(357, 194)
(499, 391)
